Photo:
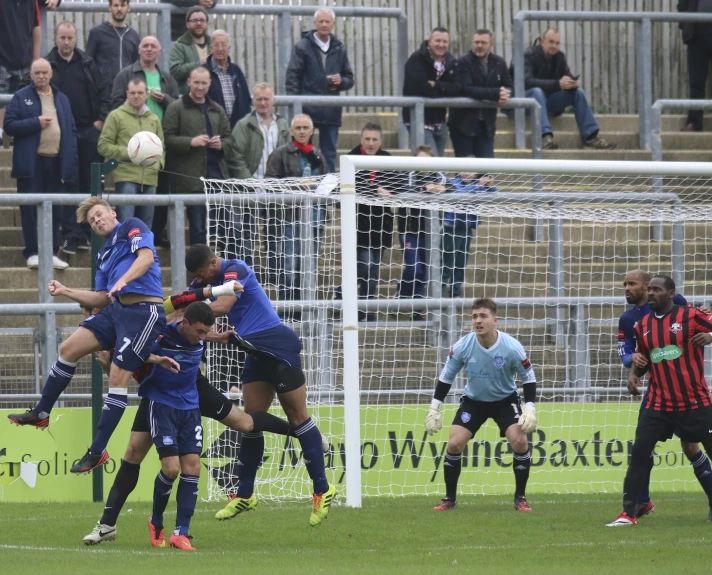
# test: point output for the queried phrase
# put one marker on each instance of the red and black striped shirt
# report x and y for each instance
(677, 381)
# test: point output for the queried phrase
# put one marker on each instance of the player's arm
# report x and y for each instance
(142, 263)
(453, 365)
(86, 298)
(222, 337)
(167, 363)
(626, 342)
(185, 298)
(527, 420)
(702, 324)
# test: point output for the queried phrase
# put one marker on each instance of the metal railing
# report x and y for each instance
(417, 107)
(656, 120)
(643, 21)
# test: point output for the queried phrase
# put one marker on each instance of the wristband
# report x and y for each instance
(224, 289)
(435, 404)
(529, 405)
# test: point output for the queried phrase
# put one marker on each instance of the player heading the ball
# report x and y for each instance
(127, 270)
(493, 360)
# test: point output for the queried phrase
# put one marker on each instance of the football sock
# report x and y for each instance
(271, 423)
(114, 407)
(162, 488)
(59, 377)
(703, 472)
(124, 483)
(522, 464)
(310, 439)
(451, 470)
(644, 496)
(252, 448)
(186, 497)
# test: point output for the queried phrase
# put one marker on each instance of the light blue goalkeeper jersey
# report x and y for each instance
(491, 373)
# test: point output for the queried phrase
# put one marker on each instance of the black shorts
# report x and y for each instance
(213, 404)
(692, 426)
(473, 414)
(273, 356)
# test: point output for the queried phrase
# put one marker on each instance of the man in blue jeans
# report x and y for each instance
(549, 81)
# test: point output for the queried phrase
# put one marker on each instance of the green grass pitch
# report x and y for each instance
(564, 534)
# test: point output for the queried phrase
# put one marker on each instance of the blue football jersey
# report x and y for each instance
(179, 390)
(118, 254)
(252, 311)
(491, 372)
(626, 328)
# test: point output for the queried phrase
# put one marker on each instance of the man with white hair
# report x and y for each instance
(228, 86)
(319, 65)
(44, 157)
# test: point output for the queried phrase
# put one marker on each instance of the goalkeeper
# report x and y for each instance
(492, 359)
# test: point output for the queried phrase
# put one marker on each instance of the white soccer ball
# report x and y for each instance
(145, 149)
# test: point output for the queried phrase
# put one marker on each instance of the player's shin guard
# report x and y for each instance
(267, 422)
(114, 407)
(703, 472)
(186, 497)
(252, 448)
(310, 439)
(644, 495)
(451, 470)
(124, 483)
(522, 464)
(59, 377)
(162, 488)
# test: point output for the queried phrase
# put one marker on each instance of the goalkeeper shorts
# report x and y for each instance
(473, 414)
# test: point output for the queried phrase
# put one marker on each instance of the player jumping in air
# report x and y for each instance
(273, 365)
(492, 360)
(671, 340)
(635, 284)
(127, 270)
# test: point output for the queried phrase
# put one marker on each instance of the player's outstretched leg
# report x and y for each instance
(452, 466)
(249, 458)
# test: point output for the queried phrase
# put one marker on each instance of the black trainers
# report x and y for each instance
(548, 143)
(40, 420)
(83, 244)
(90, 462)
(70, 246)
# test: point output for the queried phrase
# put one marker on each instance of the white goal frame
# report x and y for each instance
(350, 303)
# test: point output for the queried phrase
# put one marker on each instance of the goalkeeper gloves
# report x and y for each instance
(434, 419)
(527, 419)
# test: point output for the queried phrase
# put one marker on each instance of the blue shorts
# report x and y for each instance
(129, 330)
(273, 355)
(174, 431)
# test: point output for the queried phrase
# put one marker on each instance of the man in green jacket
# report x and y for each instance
(191, 49)
(131, 117)
(197, 141)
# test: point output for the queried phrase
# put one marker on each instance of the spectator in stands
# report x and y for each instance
(374, 224)
(228, 86)
(191, 49)
(114, 44)
(20, 41)
(431, 72)
(178, 20)
(319, 65)
(457, 232)
(257, 135)
(698, 39)
(549, 81)
(197, 141)
(121, 125)
(162, 88)
(296, 159)
(413, 231)
(481, 75)
(44, 157)
(76, 76)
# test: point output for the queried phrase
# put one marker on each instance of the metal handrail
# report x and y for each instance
(643, 22)
(656, 112)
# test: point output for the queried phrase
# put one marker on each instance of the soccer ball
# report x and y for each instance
(145, 149)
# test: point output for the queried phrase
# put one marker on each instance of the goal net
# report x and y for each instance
(420, 238)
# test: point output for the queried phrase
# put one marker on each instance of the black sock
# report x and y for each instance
(264, 421)
(451, 469)
(522, 464)
(124, 483)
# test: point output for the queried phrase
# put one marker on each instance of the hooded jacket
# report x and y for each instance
(119, 128)
(111, 50)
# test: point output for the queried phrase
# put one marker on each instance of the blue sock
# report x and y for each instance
(114, 407)
(310, 438)
(59, 377)
(703, 472)
(162, 488)
(644, 494)
(252, 448)
(187, 496)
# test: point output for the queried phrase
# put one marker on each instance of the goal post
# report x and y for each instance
(551, 245)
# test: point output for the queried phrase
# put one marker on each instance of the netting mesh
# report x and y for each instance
(428, 243)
